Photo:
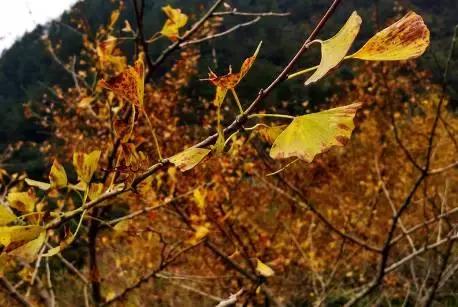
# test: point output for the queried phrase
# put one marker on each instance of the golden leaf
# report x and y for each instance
(6, 216)
(263, 269)
(189, 158)
(406, 39)
(175, 21)
(22, 201)
(29, 251)
(57, 176)
(38, 184)
(334, 50)
(95, 190)
(86, 164)
(311, 134)
(18, 233)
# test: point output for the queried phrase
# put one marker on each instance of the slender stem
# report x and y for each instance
(261, 115)
(153, 131)
(302, 72)
(237, 100)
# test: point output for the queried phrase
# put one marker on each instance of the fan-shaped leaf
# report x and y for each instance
(189, 158)
(175, 21)
(57, 175)
(336, 48)
(311, 134)
(29, 251)
(406, 39)
(86, 164)
(6, 216)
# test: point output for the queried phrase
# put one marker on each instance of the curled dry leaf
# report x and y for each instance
(129, 84)
(175, 21)
(189, 158)
(334, 50)
(406, 39)
(311, 134)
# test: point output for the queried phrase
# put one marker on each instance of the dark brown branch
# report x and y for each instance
(13, 292)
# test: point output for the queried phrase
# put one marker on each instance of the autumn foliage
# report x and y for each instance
(351, 202)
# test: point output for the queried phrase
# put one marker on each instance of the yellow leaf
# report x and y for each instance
(85, 102)
(406, 39)
(29, 251)
(199, 198)
(22, 201)
(121, 227)
(201, 232)
(270, 134)
(114, 18)
(263, 269)
(311, 134)
(38, 184)
(18, 233)
(334, 50)
(129, 84)
(175, 21)
(6, 216)
(86, 164)
(105, 50)
(189, 158)
(95, 190)
(127, 27)
(57, 176)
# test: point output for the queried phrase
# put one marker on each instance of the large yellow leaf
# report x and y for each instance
(6, 216)
(311, 134)
(29, 251)
(18, 233)
(86, 164)
(129, 84)
(189, 158)
(334, 50)
(22, 201)
(406, 39)
(175, 21)
(57, 175)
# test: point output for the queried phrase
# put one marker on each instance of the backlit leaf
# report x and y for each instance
(270, 134)
(29, 251)
(22, 201)
(38, 184)
(86, 164)
(311, 134)
(58, 176)
(175, 21)
(336, 48)
(189, 158)
(264, 269)
(6, 216)
(18, 233)
(95, 190)
(406, 39)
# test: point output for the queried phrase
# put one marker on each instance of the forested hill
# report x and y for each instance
(27, 71)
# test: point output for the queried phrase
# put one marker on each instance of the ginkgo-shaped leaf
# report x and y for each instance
(129, 84)
(29, 251)
(6, 216)
(311, 134)
(86, 164)
(105, 53)
(22, 201)
(95, 190)
(18, 233)
(57, 175)
(406, 39)
(264, 269)
(201, 231)
(175, 21)
(189, 158)
(334, 50)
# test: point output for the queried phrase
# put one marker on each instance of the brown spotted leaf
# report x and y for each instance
(189, 158)
(406, 39)
(311, 134)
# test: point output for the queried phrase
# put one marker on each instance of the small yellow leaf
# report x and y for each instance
(18, 233)
(175, 21)
(127, 27)
(95, 190)
(57, 176)
(334, 50)
(85, 102)
(29, 251)
(263, 269)
(189, 158)
(38, 184)
(311, 134)
(22, 201)
(114, 18)
(270, 134)
(121, 227)
(199, 198)
(86, 164)
(406, 39)
(201, 232)
(6, 216)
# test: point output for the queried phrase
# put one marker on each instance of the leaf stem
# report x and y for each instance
(270, 115)
(237, 100)
(153, 131)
